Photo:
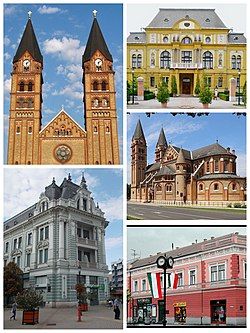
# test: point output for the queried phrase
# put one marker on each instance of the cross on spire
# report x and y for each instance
(94, 12)
(29, 14)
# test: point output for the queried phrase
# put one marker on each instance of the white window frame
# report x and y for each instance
(217, 264)
(142, 285)
(137, 286)
(183, 278)
(189, 280)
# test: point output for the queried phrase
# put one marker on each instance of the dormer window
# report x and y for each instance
(165, 39)
(207, 20)
(236, 38)
(137, 38)
(186, 24)
(166, 19)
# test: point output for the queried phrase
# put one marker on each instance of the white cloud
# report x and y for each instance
(113, 208)
(48, 10)
(7, 56)
(6, 41)
(113, 242)
(241, 164)
(9, 10)
(7, 87)
(68, 49)
(71, 91)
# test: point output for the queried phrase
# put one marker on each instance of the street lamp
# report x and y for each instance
(133, 93)
(164, 263)
(79, 274)
(239, 88)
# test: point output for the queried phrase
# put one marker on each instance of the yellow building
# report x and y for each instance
(62, 140)
(187, 44)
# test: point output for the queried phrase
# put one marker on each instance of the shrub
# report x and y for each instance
(229, 205)
(206, 95)
(237, 205)
(148, 95)
(224, 97)
(243, 206)
(163, 93)
(29, 299)
(174, 90)
(197, 88)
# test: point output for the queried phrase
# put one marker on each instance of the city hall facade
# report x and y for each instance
(187, 44)
(211, 284)
(59, 242)
(206, 175)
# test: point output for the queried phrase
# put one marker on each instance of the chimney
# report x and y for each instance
(172, 246)
(177, 247)
(196, 241)
(233, 151)
(228, 149)
(236, 233)
(212, 237)
(205, 239)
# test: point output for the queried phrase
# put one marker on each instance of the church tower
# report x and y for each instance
(99, 99)
(138, 158)
(180, 177)
(25, 100)
(161, 147)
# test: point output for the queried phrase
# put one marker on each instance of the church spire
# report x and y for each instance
(181, 157)
(83, 182)
(29, 43)
(95, 42)
(138, 134)
(162, 140)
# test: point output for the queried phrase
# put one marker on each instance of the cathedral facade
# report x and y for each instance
(206, 175)
(185, 44)
(62, 140)
(58, 242)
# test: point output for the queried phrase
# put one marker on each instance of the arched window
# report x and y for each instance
(20, 102)
(104, 85)
(216, 165)
(216, 187)
(30, 130)
(95, 129)
(109, 162)
(238, 62)
(233, 62)
(201, 187)
(234, 187)
(18, 130)
(30, 86)
(105, 102)
(95, 103)
(16, 162)
(78, 204)
(96, 162)
(186, 40)
(134, 61)
(30, 103)
(84, 202)
(29, 162)
(107, 129)
(21, 86)
(95, 85)
(208, 60)
(165, 59)
(139, 61)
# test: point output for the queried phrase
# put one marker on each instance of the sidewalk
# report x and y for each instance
(98, 317)
(185, 103)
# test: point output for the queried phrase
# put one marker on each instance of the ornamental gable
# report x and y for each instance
(170, 155)
(62, 126)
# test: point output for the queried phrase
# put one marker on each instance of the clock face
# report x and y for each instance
(26, 63)
(98, 62)
(161, 261)
(170, 261)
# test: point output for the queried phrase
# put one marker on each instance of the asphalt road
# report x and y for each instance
(153, 212)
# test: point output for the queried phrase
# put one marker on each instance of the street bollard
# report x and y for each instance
(79, 313)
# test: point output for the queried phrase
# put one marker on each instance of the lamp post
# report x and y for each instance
(239, 88)
(164, 263)
(133, 88)
(79, 274)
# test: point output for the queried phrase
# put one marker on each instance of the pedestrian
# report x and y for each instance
(216, 93)
(13, 310)
(117, 308)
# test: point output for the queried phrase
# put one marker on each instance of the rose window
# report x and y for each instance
(63, 154)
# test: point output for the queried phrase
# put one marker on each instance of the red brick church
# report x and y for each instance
(206, 175)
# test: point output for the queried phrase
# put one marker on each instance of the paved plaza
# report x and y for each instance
(184, 103)
(98, 317)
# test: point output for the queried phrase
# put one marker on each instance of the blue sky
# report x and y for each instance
(192, 133)
(22, 188)
(62, 31)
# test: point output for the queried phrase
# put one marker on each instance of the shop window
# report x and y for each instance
(165, 59)
(218, 311)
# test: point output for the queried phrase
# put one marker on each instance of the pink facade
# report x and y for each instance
(212, 284)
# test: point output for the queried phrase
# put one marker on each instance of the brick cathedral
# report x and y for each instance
(62, 140)
(205, 175)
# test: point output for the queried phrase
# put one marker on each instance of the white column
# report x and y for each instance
(51, 240)
(103, 247)
(34, 249)
(61, 239)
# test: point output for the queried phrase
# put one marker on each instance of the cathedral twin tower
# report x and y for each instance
(62, 140)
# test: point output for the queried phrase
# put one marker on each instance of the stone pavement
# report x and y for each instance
(184, 103)
(98, 317)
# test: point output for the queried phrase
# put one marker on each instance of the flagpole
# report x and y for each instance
(165, 296)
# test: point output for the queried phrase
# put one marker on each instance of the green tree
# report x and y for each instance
(29, 299)
(174, 90)
(163, 93)
(244, 93)
(197, 89)
(13, 282)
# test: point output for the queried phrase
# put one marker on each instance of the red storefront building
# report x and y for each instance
(211, 286)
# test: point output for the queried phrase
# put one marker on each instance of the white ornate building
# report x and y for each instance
(59, 241)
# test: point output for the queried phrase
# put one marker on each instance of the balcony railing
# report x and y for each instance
(186, 65)
(84, 264)
(86, 241)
